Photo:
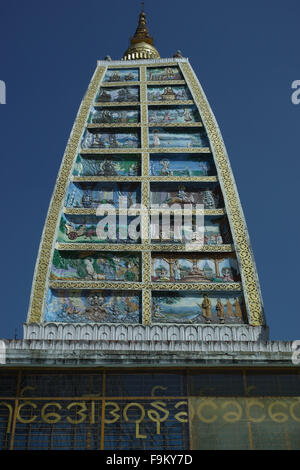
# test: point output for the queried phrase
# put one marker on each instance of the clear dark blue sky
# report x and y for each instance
(245, 54)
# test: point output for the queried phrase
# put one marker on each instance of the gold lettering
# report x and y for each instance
(23, 420)
(51, 417)
(232, 416)
(254, 402)
(92, 417)
(277, 416)
(138, 421)
(112, 412)
(182, 416)
(155, 416)
(80, 412)
(10, 414)
(292, 406)
(156, 388)
(208, 403)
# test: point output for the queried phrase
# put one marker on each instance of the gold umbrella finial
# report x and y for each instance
(141, 44)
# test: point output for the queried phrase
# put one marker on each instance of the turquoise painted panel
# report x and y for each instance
(195, 307)
(111, 139)
(185, 138)
(182, 165)
(208, 194)
(100, 266)
(187, 269)
(90, 195)
(83, 229)
(168, 93)
(163, 73)
(121, 75)
(77, 306)
(173, 115)
(118, 94)
(114, 116)
(107, 165)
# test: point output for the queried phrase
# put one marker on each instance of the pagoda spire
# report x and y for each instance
(141, 44)
(142, 33)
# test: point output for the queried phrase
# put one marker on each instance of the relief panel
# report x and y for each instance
(181, 165)
(196, 307)
(82, 306)
(108, 165)
(99, 266)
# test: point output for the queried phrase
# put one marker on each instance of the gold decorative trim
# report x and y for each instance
(145, 198)
(170, 179)
(162, 179)
(121, 84)
(146, 124)
(179, 150)
(205, 286)
(236, 218)
(160, 65)
(168, 103)
(101, 104)
(127, 65)
(146, 255)
(180, 247)
(138, 150)
(145, 167)
(146, 301)
(113, 125)
(176, 124)
(45, 251)
(116, 285)
(166, 82)
(87, 179)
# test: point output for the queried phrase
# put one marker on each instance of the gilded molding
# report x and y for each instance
(86, 179)
(135, 150)
(192, 286)
(166, 82)
(178, 149)
(168, 103)
(48, 237)
(101, 104)
(146, 302)
(117, 285)
(169, 179)
(113, 125)
(145, 198)
(111, 285)
(238, 225)
(145, 167)
(206, 179)
(147, 150)
(143, 246)
(176, 124)
(120, 84)
(146, 257)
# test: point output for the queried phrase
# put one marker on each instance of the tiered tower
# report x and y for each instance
(146, 327)
(145, 139)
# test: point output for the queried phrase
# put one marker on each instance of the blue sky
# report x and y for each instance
(246, 56)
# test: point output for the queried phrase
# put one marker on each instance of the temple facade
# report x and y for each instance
(146, 321)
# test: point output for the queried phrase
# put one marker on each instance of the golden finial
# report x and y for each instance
(141, 44)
